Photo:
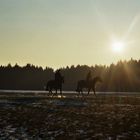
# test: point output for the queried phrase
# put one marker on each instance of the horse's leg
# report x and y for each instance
(82, 92)
(61, 91)
(78, 93)
(52, 93)
(94, 91)
(78, 90)
(89, 90)
(49, 91)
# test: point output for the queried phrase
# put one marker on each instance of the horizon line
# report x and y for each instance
(63, 67)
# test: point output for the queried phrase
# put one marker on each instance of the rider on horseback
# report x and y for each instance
(58, 76)
(56, 83)
(89, 77)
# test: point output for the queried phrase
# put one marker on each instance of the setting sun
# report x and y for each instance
(118, 46)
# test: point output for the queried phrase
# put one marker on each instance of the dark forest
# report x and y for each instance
(121, 77)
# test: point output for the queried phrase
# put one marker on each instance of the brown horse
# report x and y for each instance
(53, 84)
(88, 85)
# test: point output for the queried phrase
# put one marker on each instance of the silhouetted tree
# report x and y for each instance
(123, 76)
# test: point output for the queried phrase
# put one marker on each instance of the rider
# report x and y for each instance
(89, 77)
(58, 76)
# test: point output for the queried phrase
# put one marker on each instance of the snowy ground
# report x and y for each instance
(38, 116)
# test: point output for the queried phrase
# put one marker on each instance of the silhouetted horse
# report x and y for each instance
(88, 85)
(53, 84)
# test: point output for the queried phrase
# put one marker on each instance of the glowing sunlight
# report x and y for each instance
(118, 46)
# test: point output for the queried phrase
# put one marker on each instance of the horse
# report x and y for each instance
(53, 84)
(90, 85)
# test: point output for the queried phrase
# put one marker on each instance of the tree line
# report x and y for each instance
(123, 76)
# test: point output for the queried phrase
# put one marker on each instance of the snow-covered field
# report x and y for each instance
(35, 115)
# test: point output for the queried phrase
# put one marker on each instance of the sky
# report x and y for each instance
(57, 33)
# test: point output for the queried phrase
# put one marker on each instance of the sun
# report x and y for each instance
(118, 46)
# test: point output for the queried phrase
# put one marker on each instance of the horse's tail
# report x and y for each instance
(77, 89)
(47, 86)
